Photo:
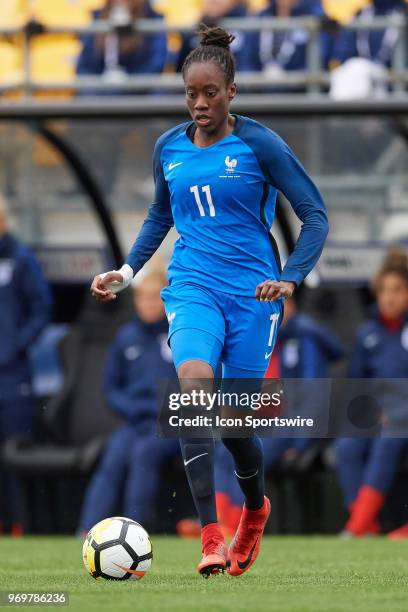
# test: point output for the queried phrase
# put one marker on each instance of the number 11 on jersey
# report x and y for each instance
(205, 189)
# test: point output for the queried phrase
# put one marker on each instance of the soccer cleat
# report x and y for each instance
(188, 528)
(16, 530)
(214, 551)
(399, 534)
(364, 511)
(245, 546)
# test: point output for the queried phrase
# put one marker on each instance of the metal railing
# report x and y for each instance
(314, 79)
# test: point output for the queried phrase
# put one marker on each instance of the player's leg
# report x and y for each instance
(147, 455)
(198, 458)
(274, 451)
(103, 491)
(379, 473)
(249, 471)
(351, 456)
(253, 330)
(16, 417)
(196, 336)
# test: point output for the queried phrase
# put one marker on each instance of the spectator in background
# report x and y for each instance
(374, 45)
(304, 350)
(367, 466)
(138, 359)
(25, 305)
(277, 51)
(124, 50)
(212, 12)
(115, 56)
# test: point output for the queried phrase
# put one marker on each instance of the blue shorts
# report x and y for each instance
(239, 331)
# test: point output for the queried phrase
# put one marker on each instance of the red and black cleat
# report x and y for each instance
(245, 546)
(214, 551)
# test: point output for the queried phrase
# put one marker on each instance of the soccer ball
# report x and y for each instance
(117, 548)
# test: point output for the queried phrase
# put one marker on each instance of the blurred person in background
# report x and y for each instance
(212, 12)
(25, 305)
(277, 51)
(123, 51)
(366, 467)
(364, 55)
(304, 350)
(374, 45)
(138, 359)
(115, 56)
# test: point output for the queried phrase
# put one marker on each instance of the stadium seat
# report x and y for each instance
(13, 13)
(186, 13)
(345, 10)
(10, 63)
(257, 5)
(179, 11)
(53, 58)
(64, 12)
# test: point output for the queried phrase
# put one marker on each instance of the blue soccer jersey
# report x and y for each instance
(221, 200)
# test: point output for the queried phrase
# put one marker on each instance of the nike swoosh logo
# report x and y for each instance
(267, 355)
(196, 457)
(243, 564)
(126, 569)
(171, 166)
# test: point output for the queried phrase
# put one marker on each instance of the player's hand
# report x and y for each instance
(100, 286)
(270, 290)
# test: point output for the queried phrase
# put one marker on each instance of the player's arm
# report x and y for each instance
(284, 171)
(156, 226)
(289, 176)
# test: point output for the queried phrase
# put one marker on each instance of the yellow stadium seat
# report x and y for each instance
(64, 12)
(53, 58)
(10, 63)
(188, 12)
(179, 11)
(13, 13)
(344, 10)
(257, 5)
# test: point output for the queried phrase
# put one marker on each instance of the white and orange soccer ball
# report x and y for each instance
(117, 548)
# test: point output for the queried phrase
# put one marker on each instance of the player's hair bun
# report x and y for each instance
(214, 36)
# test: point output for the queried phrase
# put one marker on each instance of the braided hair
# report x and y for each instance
(214, 47)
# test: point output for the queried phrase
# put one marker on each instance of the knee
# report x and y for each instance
(195, 377)
(194, 369)
(229, 443)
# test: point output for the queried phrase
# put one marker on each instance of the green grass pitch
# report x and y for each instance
(292, 574)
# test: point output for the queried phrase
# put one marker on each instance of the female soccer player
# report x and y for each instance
(216, 180)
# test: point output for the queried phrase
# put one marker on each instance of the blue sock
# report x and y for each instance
(198, 458)
(249, 468)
